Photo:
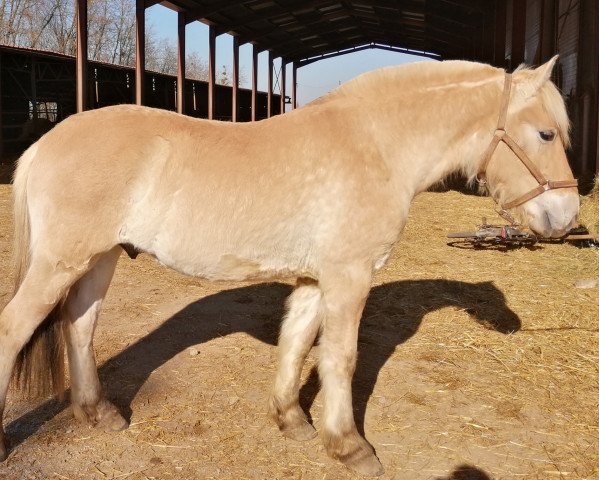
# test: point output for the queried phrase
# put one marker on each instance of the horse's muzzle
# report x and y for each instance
(553, 214)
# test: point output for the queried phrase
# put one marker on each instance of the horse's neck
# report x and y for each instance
(443, 133)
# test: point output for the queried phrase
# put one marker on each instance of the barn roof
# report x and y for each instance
(306, 30)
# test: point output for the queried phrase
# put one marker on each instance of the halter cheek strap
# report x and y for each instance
(501, 135)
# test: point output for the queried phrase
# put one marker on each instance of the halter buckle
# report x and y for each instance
(546, 186)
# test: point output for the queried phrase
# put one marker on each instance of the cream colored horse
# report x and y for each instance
(321, 194)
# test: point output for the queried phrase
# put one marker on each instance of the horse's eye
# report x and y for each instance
(547, 135)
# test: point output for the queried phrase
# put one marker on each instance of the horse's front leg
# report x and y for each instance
(298, 332)
(345, 295)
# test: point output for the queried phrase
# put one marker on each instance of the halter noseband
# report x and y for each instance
(501, 135)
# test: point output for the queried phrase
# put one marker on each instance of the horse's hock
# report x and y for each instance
(479, 357)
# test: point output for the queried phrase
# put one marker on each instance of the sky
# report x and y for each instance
(313, 80)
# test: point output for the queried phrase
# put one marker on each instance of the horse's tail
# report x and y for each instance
(45, 349)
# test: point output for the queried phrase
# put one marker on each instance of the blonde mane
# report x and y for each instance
(430, 75)
(436, 75)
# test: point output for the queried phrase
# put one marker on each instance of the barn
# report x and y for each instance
(504, 33)
(473, 363)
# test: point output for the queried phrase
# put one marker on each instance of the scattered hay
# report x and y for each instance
(589, 209)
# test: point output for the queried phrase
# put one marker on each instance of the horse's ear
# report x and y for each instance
(531, 81)
(543, 73)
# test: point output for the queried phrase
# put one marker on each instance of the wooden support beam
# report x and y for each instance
(181, 63)
(283, 84)
(254, 82)
(518, 32)
(33, 86)
(140, 50)
(499, 24)
(587, 89)
(81, 60)
(294, 87)
(269, 94)
(1, 131)
(547, 43)
(202, 12)
(235, 86)
(211, 71)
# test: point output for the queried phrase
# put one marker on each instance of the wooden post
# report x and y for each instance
(33, 87)
(269, 94)
(211, 70)
(181, 63)
(254, 83)
(518, 32)
(140, 50)
(235, 87)
(499, 43)
(283, 84)
(81, 68)
(294, 87)
(1, 130)
(547, 41)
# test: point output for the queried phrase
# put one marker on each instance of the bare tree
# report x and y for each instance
(50, 25)
(195, 67)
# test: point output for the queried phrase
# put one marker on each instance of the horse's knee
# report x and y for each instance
(353, 451)
(103, 415)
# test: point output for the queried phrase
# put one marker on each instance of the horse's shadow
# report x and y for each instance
(393, 314)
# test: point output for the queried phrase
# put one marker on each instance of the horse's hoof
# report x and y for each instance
(110, 420)
(301, 432)
(354, 452)
(3, 453)
(114, 423)
(292, 420)
(367, 465)
(103, 415)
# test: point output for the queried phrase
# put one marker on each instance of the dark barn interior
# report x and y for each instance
(38, 88)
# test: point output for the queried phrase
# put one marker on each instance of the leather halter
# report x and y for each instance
(501, 135)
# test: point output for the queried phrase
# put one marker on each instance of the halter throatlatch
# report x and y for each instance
(501, 135)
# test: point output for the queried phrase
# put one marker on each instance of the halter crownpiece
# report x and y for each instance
(500, 135)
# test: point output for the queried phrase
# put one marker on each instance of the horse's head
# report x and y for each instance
(525, 166)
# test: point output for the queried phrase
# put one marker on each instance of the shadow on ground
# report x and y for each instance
(393, 314)
(466, 472)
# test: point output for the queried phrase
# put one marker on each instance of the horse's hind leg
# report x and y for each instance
(42, 288)
(296, 339)
(81, 309)
(345, 294)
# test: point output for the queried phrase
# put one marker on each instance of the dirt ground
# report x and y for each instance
(473, 365)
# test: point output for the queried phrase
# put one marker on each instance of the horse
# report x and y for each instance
(320, 194)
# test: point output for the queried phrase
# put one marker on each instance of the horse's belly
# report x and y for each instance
(217, 256)
(232, 267)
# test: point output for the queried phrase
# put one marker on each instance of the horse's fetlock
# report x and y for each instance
(291, 420)
(85, 413)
